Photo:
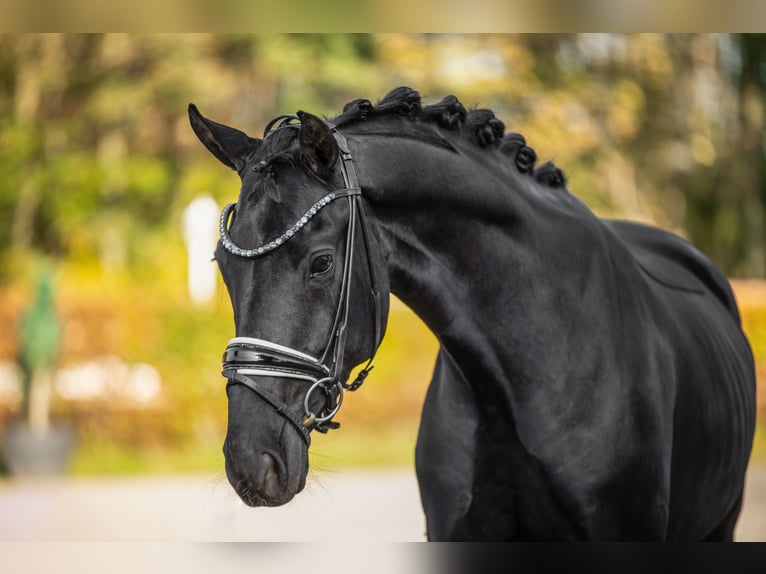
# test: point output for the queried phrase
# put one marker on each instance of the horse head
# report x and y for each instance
(299, 263)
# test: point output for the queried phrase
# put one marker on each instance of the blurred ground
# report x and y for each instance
(350, 506)
(381, 505)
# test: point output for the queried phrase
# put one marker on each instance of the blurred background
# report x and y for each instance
(112, 316)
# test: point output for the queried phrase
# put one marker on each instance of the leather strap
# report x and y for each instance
(236, 378)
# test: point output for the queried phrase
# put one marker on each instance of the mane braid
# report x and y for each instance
(515, 146)
(483, 127)
(548, 174)
(479, 126)
(448, 114)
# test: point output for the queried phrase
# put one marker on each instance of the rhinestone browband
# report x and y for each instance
(231, 247)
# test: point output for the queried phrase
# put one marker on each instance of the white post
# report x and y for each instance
(201, 234)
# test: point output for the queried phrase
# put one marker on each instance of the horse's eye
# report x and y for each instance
(321, 264)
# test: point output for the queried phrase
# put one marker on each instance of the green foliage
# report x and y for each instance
(664, 128)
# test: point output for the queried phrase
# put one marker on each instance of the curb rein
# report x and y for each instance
(247, 358)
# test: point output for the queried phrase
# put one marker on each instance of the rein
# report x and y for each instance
(247, 358)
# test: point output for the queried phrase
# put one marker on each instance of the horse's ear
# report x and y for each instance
(318, 145)
(229, 145)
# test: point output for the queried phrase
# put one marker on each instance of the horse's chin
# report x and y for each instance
(255, 501)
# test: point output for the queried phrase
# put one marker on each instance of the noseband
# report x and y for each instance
(246, 358)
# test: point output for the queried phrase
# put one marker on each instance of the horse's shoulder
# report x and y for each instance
(672, 261)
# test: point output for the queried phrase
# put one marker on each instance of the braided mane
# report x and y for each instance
(478, 125)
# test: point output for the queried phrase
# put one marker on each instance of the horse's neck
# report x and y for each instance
(500, 270)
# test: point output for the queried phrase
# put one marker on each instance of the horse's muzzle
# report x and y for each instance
(260, 478)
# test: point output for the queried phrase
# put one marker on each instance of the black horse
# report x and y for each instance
(593, 381)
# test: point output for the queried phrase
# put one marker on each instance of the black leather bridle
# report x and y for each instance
(246, 358)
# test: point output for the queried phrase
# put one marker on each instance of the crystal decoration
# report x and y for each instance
(230, 246)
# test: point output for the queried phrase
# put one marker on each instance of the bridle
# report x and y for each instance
(247, 358)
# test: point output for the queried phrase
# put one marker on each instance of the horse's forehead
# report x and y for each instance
(273, 201)
(277, 143)
(265, 208)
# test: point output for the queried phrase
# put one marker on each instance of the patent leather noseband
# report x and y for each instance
(247, 359)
